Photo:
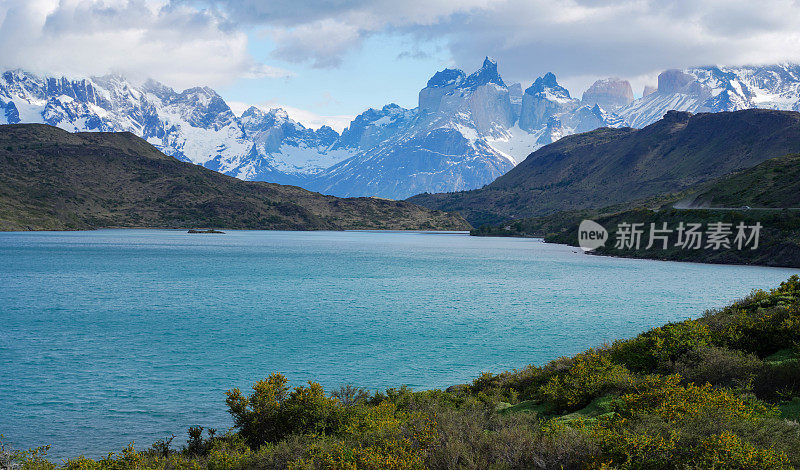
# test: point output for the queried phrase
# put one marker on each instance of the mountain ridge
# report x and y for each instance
(56, 180)
(609, 166)
(466, 130)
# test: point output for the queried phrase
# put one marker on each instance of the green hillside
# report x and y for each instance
(56, 180)
(768, 194)
(774, 184)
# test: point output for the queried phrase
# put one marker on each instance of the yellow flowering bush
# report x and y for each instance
(728, 451)
(377, 437)
(672, 401)
(590, 375)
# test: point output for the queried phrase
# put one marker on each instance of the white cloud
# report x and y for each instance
(629, 38)
(205, 42)
(321, 32)
(179, 45)
(574, 38)
(324, 42)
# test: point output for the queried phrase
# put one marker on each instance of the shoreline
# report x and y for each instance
(617, 255)
(95, 229)
(442, 232)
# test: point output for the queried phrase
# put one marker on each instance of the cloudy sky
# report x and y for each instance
(327, 60)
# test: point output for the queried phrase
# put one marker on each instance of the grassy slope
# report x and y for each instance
(774, 183)
(771, 190)
(717, 392)
(607, 167)
(52, 179)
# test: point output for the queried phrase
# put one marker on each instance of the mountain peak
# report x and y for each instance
(446, 77)
(157, 88)
(548, 83)
(484, 75)
(674, 81)
(255, 119)
(200, 91)
(252, 111)
(279, 113)
(610, 93)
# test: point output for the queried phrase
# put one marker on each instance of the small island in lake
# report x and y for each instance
(211, 230)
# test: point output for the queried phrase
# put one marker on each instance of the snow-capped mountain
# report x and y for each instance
(462, 136)
(467, 129)
(195, 125)
(442, 145)
(717, 89)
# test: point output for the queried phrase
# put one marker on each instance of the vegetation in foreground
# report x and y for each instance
(718, 392)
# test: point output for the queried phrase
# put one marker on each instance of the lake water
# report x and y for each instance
(114, 336)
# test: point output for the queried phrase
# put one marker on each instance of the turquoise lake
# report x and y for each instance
(114, 336)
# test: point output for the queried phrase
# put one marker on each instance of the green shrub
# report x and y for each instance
(272, 412)
(475, 437)
(729, 451)
(667, 425)
(779, 381)
(718, 366)
(763, 323)
(591, 375)
(349, 395)
(668, 398)
(658, 348)
(762, 331)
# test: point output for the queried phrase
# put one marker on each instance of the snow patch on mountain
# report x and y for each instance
(517, 143)
(302, 159)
